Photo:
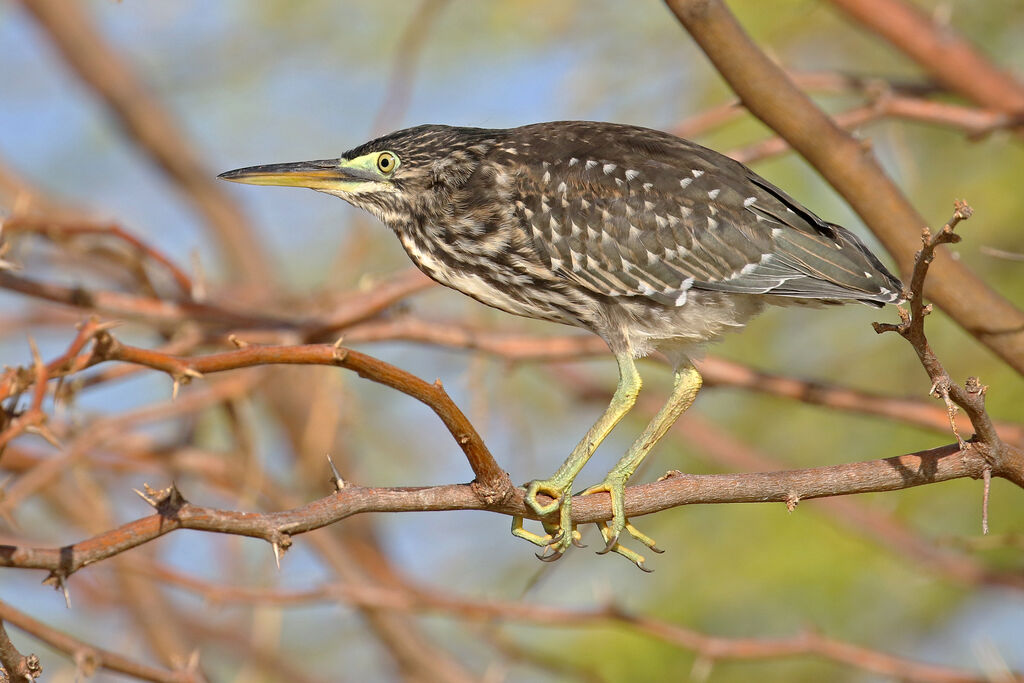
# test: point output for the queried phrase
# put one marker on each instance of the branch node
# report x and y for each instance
(974, 386)
(165, 501)
(340, 353)
(86, 662)
(792, 500)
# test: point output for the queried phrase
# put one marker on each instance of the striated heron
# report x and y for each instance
(646, 239)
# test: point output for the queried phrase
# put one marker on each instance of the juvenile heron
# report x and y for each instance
(646, 239)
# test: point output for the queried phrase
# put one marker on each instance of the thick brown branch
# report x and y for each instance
(771, 96)
(888, 474)
(491, 481)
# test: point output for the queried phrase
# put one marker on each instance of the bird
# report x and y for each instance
(648, 240)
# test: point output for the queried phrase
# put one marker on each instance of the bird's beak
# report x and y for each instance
(330, 175)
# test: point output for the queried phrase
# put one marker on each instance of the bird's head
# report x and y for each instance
(407, 175)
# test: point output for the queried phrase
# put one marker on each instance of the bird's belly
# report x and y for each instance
(507, 297)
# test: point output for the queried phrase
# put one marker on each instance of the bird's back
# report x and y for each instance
(571, 220)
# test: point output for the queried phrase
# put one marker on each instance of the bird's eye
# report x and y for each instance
(386, 162)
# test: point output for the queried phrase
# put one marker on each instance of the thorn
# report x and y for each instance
(45, 432)
(57, 580)
(238, 343)
(336, 479)
(987, 479)
(792, 500)
(37, 360)
(340, 353)
(174, 389)
(164, 501)
(670, 474)
(279, 542)
(152, 496)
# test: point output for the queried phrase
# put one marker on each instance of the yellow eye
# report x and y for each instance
(386, 162)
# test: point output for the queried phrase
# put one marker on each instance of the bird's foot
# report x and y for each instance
(612, 530)
(558, 537)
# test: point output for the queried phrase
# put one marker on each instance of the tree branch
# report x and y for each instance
(844, 162)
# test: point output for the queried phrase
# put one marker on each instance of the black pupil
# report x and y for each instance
(385, 162)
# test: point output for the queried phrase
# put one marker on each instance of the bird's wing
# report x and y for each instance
(690, 219)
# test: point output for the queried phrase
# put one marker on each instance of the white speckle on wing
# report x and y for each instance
(867, 274)
(685, 286)
(749, 200)
(556, 263)
(561, 187)
(749, 268)
(648, 186)
(631, 174)
(776, 232)
(685, 211)
(660, 221)
(713, 194)
(608, 168)
(573, 161)
(685, 182)
(590, 164)
(697, 173)
(712, 223)
(547, 176)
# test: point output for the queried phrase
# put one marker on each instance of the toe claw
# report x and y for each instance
(577, 542)
(642, 567)
(611, 540)
(549, 557)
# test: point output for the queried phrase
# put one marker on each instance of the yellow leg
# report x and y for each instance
(559, 486)
(687, 383)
